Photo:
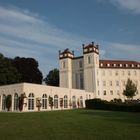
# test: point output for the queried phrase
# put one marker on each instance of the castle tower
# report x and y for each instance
(91, 67)
(65, 65)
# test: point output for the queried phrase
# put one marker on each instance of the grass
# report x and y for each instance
(70, 125)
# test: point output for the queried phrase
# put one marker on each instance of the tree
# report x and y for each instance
(38, 103)
(21, 101)
(28, 68)
(52, 78)
(51, 102)
(61, 102)
(8, 73)
(8, 102)
(130, 89)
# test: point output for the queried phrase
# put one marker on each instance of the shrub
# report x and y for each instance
(8, 102)
(114, 106)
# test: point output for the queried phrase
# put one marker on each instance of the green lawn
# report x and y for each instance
(70, 125)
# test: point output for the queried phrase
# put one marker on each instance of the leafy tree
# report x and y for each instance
(21, 101)
(8, 73)
(52, 78)
(28, 68)
(51, 102)
(130, 89)
(61, 103)
(38, 103)
(8, 102)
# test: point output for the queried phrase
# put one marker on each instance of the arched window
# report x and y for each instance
(44, 101)
(16, 101)
(3, 102)
(65, 101)
(55, 101)
(73, 101)
(31, 101)
(81, 101)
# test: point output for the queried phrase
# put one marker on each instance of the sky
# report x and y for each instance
(40, 28)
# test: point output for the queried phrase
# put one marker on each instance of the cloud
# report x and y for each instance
(132, 5)
(114, 50)
(27, 34)
(23, 33)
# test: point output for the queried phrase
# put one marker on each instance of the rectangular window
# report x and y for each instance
(81, 81)
(89, 60)
(104, 92)
(98, 83)
(104, 83)
(117, 83)
(110, 83)
(135, 73)
(110, 73)
(63, 64)
(118, 92)
(103, 73)
(76, 78)
(116, 73)
(98, 92)
(80, 64)
(111, 92)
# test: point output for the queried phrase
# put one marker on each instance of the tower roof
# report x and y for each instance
(66, 54)
(91, 48)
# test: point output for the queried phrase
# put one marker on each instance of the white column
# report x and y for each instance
(12, 106)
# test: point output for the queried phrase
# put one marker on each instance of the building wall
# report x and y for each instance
(39, 90)
(106, 79)
(113, 81)
(77, 73)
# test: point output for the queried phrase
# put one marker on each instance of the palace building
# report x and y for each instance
(81, 78)
(106, 79)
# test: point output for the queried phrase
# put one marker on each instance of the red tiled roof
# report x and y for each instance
(119, 64)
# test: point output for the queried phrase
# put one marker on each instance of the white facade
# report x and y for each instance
(81, 78)
(72, 98)
(106, 79)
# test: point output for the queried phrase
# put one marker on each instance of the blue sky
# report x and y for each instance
(40, 28)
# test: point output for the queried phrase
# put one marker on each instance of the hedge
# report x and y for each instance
(105, 105)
